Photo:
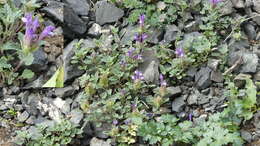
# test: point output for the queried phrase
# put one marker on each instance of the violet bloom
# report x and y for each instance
(141, 20)
(31, 39)
(180, 52)
(115, 122)
(130, 52)
(190, 117)
(140, 37)
(138, 57)
(214, 2)
(127, 121)
(138, 76)
(162, 81)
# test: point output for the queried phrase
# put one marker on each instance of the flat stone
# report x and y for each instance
(95, 30)
(81, 7)
(150, 67)
(23, 116)
(178, 103)
(240, 80)
(173, 91)
(256, 7)
(216, 76)
(250, 60)
(171, 33)
(250, 31)
(246, 135)
(64, 92)
(98, 142)
(76, 116)
(71, 71)
(202, 78)
(73, 22)
(238, 3)
(127, 34)
(54, 9)
(107, 12)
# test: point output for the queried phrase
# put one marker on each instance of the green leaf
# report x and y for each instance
(27, 74)
(57, 80)
(28, 59)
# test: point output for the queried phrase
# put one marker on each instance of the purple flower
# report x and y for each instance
(138, 57)
(123, 92)
(140, 37)
(46, 32)
(31, 38)
(133, 106)
(127, 121)
(115, 122)
(141, 20)
(190, 117)
(138, 76)
(162, 81)
(149, 115)
(130, 52)
(214, 2)
(180, 52)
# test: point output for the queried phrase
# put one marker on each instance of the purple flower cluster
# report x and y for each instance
(180, 52)
(138, 76)
(141, 36)
(32, 39)
(131, 53)
(215, 2)
(162, 81)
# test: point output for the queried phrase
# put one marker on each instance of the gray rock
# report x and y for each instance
(38, 83)
(250, 31)
(31, 120)
(227, 8)
(216, 76)
(81, 7)
(23, 116)
(98, 142)
(213, 64)
(107, 12)
(76, 116)
(55, 10)
(192, 99)
(173, 91)
(127, 34)
(257, 76)
(73, 22)
(240, 80)
(40, 61)
(203, 99)
(256, 7)
(95, 30)
(64, 92)
(156, 36)
(256, 120)
(54, 113)
(238, 3)
(70, 71)
(250, 60)
(178, 103)
(202, 78)
(256, 19)
(150, 66)
(246, 135)
(10, 101)
(171, 33)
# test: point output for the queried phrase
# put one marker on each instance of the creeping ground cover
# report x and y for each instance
(129, 72)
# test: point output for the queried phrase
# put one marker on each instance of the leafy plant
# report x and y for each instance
(50, 135)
